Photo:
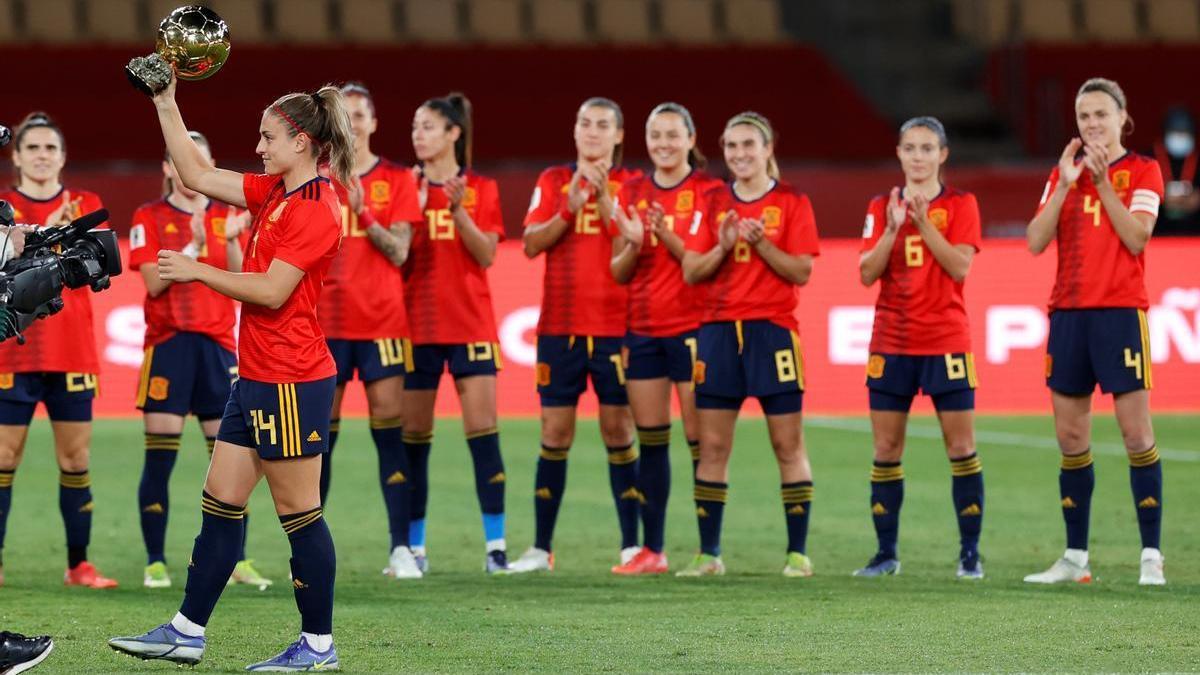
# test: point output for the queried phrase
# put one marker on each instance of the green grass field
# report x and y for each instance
(581, 618)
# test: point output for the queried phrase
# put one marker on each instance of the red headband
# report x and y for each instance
(288, 118)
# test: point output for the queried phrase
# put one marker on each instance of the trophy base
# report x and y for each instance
(137, 82)
(149, 74)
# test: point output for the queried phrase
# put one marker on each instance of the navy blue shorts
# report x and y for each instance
(281, 421)
(465, 360)
(565, 362)
(737, 359)
(651, 358)
(189, 373)
(68, 396)
(893, 380)
(371, 359)
(1109, 347)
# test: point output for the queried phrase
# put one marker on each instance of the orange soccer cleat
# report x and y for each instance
(645, 562)
(85, 574)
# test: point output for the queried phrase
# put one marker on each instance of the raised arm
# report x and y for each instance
(542, 235)
(1134, 229)
(194, 170)
(1044, 227)
(873, 263)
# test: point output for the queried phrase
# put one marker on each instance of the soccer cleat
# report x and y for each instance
(1152, 568)
(645, 562)
(1062, 570)
(880, 565)
(533, 560)
(798, 565)
(298, 657)
(19, 653)
(164, 642)
(969, 567)
(244, 573)
(85, 574)
(402, 564)
(156, 576)
(628, 553)
(496, 562)
(703, 565)
(422, 562)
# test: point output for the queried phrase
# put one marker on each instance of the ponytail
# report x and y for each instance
(764, 127)
(696, 159)
(456, 108)
(322, 117)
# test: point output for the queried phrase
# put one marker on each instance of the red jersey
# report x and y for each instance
(304, 229)
(744, 286)
(446, 289)
(1094, 267)
(363, 298)
(579, 294)
(661, 304)
(920, 310)
(194, 307)
(65, 342)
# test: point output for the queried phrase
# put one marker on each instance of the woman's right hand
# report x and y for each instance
(897, 211)
(631, 226)
(727, 234)
(1068, 167)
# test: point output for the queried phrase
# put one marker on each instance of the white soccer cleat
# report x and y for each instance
(402, 564)
(533, 560)
(1062, 570)
(1152, 568)
(628, 553)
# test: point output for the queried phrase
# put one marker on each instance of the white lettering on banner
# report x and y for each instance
(126, 330)
(1170, 326)
(512, 336)
(850, 334)
(1012, 327)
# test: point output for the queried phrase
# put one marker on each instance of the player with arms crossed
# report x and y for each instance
(362, 309)
(58, 365)
(277, 420)
(190, 354)
(754, 249)
(664, 312)
(918, 243)
(1100, 204)
(582, 323)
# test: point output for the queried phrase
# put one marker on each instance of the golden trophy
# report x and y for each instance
(193, 39)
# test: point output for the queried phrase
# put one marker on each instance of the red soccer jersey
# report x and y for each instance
(660, 303)
(363, 298)
(579, 294)
(920, 310)
(446, 289)
(744, 286)
(193, 307)
(1094, 267)
(65, 342)
(302, 228)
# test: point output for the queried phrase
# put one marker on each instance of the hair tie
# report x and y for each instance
(316, 99)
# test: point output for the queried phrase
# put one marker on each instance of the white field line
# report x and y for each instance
(985, 437)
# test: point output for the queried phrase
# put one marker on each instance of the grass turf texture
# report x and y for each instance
(582, 618)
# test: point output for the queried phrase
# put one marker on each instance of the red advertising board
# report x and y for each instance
(1006, 295)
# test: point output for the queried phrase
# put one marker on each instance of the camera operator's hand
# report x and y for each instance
(12, 243)
(175, 266)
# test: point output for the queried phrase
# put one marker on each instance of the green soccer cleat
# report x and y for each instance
(703, 565)
(156, 576)
(798, 565)
(244, 573)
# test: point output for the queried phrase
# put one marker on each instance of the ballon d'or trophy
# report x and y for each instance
(193, 39)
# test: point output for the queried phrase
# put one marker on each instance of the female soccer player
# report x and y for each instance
(1100, 205)
(755, 247)
(277, 420)
(918, 243)
(189, 357)
(446, 288)
(582, 322)
(362, 311)
(664, 312)
(58, 364)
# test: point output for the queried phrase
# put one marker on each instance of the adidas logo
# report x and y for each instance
(972, 510)
(543, 493)
(1068, 503)
(797, 510)
(878, 509)
(299, 585)
(86, 508)
(314, 437)
(153, 508)
(396, 479)
(631, 493)
(498, 478)
(700, 512)
(1148, 503)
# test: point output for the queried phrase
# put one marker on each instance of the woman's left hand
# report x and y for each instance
(175, 266)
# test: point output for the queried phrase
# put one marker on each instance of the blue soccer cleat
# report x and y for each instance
(880, 565)
(496, 562)
(164, 643)
(969, 566)
(298, 657)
